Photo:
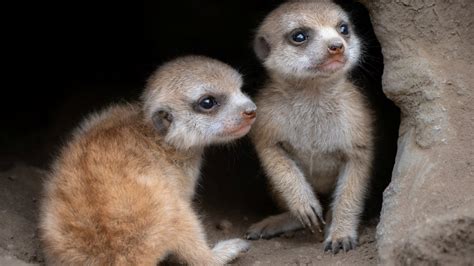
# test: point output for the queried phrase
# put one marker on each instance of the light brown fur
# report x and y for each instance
(314, 133)
(120, 192)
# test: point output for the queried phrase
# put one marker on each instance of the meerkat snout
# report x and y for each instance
(250, 114)
(238, 122)
(248, 108)
(335, 47)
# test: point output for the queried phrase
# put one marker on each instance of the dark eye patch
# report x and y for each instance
(343, 28)
(299, 36)
(209, 104)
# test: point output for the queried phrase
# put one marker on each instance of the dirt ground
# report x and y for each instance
(20, 187)
(299, 248)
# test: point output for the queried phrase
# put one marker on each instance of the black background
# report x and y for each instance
(66, 59)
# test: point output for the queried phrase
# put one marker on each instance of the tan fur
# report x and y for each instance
(314, 130)
(120, 193)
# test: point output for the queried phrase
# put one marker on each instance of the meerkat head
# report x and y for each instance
(195, 101)
(307, 39)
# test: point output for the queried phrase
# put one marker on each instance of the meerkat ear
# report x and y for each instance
(261, 47)
(162, 120)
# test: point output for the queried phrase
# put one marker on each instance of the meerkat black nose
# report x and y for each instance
(249, 114)
(336, 47)
(249, 110)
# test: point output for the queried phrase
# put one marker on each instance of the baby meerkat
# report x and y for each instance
(314, 133)
(120, 192)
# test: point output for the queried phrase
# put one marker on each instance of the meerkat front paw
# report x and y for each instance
(336, 241)
(228, 250)
(308, 211)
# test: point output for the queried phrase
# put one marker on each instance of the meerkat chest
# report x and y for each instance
(320, 169)
(317, 127)
(317, 134)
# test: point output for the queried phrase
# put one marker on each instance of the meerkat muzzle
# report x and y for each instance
(244, 126)
(336, 48)
(249, 114)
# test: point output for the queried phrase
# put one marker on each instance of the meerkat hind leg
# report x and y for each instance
(191, 246)
(196, 252)
(273, 226)
(227, 250)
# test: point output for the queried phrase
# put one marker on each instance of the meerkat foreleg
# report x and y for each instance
(348, 203)
(290, 184)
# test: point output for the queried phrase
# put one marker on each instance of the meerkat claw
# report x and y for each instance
(346, 244)
(320, 219)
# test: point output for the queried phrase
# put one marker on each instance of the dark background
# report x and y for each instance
(67, 59)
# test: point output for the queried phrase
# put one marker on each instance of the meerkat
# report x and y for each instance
(314, 133)
(120, 192)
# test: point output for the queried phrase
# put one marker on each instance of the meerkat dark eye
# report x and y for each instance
(299, 37)
(207, 103)
(344, 29)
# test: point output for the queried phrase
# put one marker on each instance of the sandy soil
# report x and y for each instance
(20, 186)
(298, 248)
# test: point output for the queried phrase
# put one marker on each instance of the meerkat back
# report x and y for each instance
(120, 192)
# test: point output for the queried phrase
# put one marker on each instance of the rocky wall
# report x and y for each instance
(428, 209)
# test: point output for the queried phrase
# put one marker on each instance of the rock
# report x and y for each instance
(428, 209)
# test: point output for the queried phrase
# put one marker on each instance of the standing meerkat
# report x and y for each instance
(314, 133)
(120, 192)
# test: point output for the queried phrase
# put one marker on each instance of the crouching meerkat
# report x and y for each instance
(314, 133)
(120, 192)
